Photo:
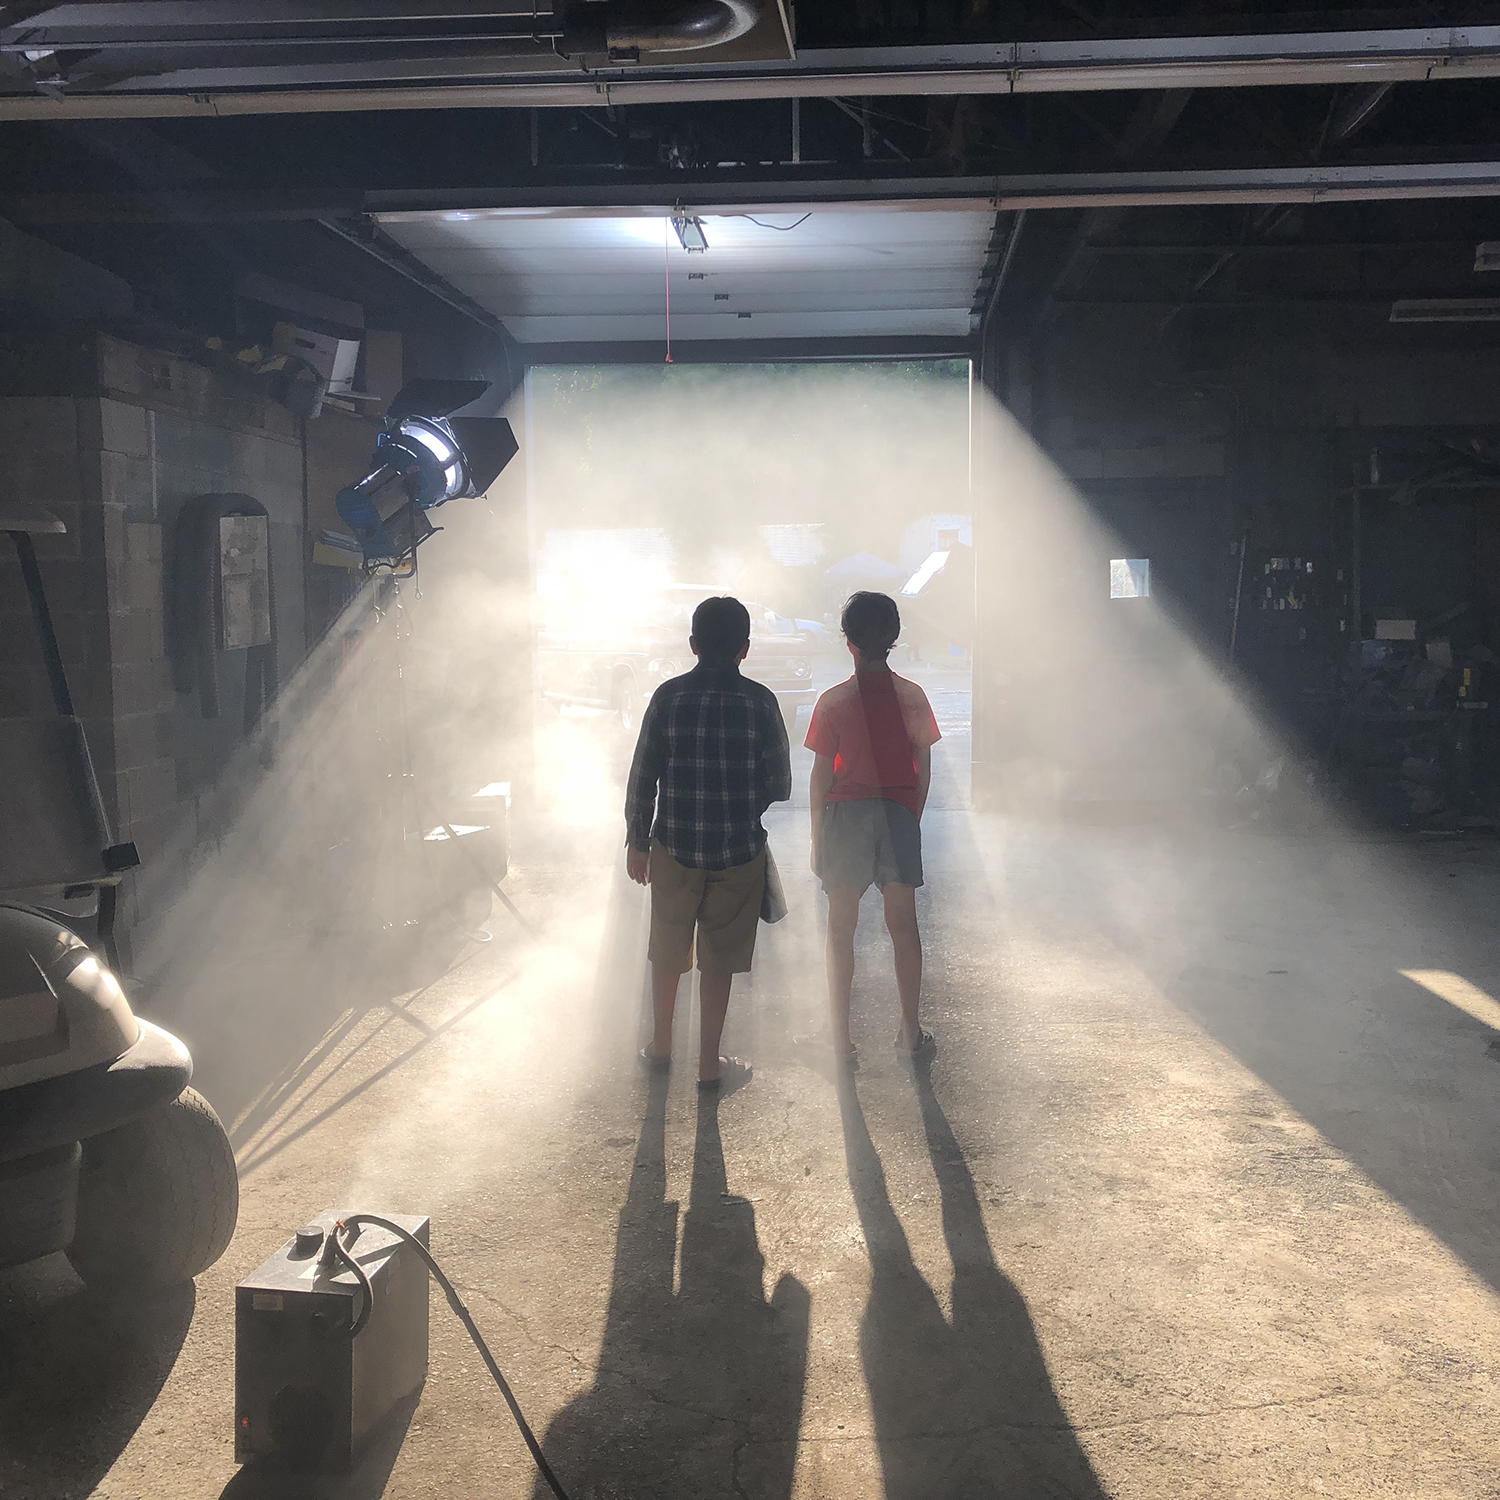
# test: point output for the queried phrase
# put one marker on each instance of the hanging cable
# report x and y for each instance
(666, 257)
(779, 228)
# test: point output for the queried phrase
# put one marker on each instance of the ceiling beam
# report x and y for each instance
(710, 193)
(1263, 248)
(488, 82)
(1152, 120)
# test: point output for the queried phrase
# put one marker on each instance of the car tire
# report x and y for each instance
(628, 704)
(157, 1198)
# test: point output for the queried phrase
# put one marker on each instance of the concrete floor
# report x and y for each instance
(1199, 1198)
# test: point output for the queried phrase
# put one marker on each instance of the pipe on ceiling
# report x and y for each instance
(1011, 68)
(683, 26)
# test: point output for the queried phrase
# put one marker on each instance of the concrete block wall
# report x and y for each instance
(123, 439)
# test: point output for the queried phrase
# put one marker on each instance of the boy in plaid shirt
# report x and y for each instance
(713, 745)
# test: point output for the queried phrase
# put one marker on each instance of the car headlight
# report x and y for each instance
(666, 668)
(800, 668)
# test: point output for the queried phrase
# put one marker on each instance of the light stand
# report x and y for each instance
(424, 456)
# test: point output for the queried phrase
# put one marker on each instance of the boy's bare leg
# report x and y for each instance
(843, 919)
(663, 1008)
(713, 1004)
(906, 941)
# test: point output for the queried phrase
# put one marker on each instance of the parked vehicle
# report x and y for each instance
(604, 661)
(105, 1152)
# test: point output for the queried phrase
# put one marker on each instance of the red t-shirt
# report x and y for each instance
(873, 725)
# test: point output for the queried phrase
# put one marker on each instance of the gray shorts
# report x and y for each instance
(870, 841)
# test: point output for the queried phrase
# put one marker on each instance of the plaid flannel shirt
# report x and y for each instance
(714, 742)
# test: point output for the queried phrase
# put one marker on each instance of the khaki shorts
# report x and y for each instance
(723, 904)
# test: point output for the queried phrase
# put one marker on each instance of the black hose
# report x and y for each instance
(464, 1317)
(357, 1326)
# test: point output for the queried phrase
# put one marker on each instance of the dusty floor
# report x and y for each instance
(1198, 1200)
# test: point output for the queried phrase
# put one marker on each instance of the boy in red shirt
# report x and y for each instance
(872, 737)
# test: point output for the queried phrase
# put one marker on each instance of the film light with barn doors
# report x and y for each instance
(424, 457)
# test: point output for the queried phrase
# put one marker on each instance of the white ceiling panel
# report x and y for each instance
(836, 271)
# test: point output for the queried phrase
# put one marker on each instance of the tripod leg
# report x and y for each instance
(473, 859)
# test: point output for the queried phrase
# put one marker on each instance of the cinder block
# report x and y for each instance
(143, 590)
(114, 426)
(128, 482)
(72, 583)
(196, 387)
(155, 836)
(38, 424)
(18, 643)
(140, 686)
(153, 788)
(174, 440)
(136, 635)
(135, 741)
(82, 634)
(119, 367)
(284, 471)
(212, 448)
(120, 781)
(113, 520)
(143, 540)
(247, 466)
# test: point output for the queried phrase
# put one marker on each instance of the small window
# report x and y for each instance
(1130, 578)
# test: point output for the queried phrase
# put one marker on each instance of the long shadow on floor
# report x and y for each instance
(78, 1374)
(699, 1391)
(963, 1410)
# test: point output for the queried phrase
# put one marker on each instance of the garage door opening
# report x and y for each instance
(787, 486)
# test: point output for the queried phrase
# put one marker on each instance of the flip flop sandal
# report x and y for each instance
(924, 1051)
(652, 1061)
(734, 1074)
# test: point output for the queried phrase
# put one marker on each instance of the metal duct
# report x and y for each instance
(685, 26)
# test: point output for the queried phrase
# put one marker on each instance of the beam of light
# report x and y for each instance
(1097, 686)
(1458, 992)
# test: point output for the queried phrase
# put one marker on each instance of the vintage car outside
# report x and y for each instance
(617, 663)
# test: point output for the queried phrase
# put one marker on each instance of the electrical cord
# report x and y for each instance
(464, 1317)
(780, 228)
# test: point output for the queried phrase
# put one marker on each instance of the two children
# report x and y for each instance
(713, 741)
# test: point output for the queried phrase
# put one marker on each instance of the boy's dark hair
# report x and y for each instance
(872, 622)
(721, 627)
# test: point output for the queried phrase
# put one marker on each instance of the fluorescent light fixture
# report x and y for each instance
(690, 233)
(924, 575)
(1447, 309)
